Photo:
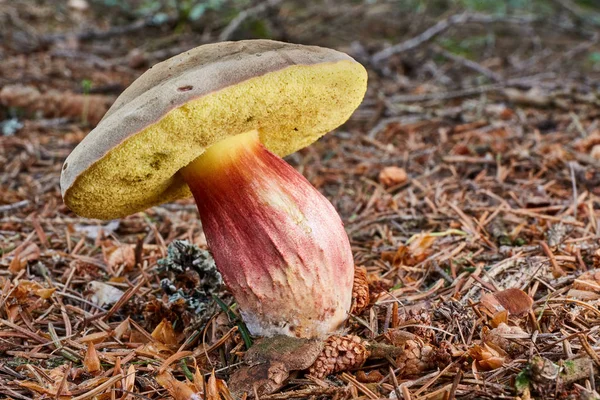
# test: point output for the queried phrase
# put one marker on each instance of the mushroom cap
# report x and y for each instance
(292, 94)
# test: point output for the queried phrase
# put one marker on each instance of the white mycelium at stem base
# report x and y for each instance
(279, 243)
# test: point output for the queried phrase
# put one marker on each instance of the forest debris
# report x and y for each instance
(190, 279)
(115, 256)
(418, 322)
(31, 252)
(488, 356)
(164, 333)
(269, 362)
(439, 28)
(586, 286)
(55, 104)
(369, 377)
(341, 353)
(390, 176)
(10, 126)
(360, 291)
(416, 357)
(179, 390)
(78, 5)
(513, 300)
(96, 231)
(595, 152)
(544, 371)
(504, 337)
(91, 362)
(103, 293)
(532, 97)
(123, 255)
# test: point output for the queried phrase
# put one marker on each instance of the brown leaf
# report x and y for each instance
(91, 362)
(45, 293)
(122, 330)
(488, 356)
(123, 255)
(390, 176)
(130, 380)
(212, 391)
(31, 252)
(513, 300)
(165, 333)
(269, 362)
(177, 389)
(94, 338)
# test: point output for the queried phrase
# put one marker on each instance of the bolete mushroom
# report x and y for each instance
(214, 122)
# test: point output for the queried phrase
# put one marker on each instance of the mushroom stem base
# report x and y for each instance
(279, 244)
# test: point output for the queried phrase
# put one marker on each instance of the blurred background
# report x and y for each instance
(410, 47)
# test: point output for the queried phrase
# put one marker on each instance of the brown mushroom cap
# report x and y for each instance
(291, 94)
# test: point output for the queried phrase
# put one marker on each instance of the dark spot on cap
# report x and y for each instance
(65, 166)
(185, 88)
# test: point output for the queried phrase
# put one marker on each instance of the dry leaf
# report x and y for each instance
(116, 256)
(122, 330)
(488, 356)
(95, 338)
(199, 382)
(45, 293)
(31, 252)
(268, 366)
(130, 381)
(91, 362)
(164, 333)
(515, 301)
(390, 176)
(177, 389)
(504, 337)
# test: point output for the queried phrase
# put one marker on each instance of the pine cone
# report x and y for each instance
(418, 317)
(416, 358)
(443, 355)
(341, 353)
(55, 104)
(360, 291)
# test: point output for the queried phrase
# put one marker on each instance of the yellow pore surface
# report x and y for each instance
(290, 108)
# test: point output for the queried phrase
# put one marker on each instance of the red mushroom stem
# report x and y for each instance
(279, 243)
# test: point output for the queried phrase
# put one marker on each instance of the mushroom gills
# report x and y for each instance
(278, 242)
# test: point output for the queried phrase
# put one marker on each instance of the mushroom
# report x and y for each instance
(213, 122)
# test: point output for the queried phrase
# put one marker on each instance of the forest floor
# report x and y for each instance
(468, 182)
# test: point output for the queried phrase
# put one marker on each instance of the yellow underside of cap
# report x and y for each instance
(291, 108)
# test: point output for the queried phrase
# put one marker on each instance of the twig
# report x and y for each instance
(577, 12)
(107, 34)
(441, 27)
(470, 64)
(235, 23)
(14, 206)
(411, 98)
(574, 185)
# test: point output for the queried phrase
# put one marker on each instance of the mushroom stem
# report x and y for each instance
(279, 243)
